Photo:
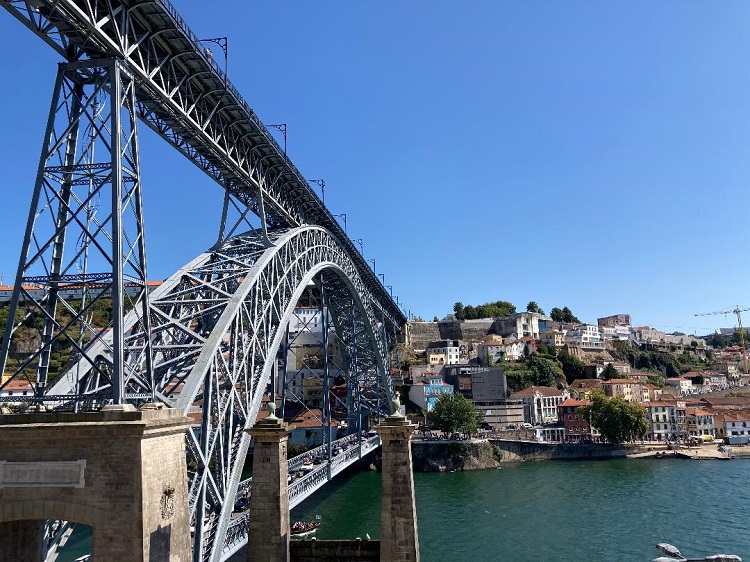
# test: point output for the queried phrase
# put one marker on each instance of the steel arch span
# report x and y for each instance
(216, 327)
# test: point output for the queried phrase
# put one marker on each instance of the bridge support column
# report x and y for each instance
(399, 540)
(122, 472)
(268, 532)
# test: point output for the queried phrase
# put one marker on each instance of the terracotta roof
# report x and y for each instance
(310, 418)
(585, 383)
(574, 402)
(17, 384)
(544, 390)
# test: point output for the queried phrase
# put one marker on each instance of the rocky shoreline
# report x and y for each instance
(451, 456)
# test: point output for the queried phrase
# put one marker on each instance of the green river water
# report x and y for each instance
(558, 510)
(614, 510)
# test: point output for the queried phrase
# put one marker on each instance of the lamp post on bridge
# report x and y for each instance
(281, 127)
(322, 184)
(382, 276)
(373, 264)
(361, 246)
(390, 289)
(223, 43)
(343, 216)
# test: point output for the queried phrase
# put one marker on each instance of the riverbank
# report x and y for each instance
(482, 454)
(486, 454)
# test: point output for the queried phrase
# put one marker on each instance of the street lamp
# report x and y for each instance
(322, 184)
(343, 216)
(390, 289)
(361, 246)
(373, 264)
(382, 276)
(223, 44)
(281, 127)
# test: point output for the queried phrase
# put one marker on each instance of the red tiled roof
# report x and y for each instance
(574, 402)
(544, 390)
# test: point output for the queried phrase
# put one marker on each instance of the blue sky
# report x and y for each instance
(580, 154)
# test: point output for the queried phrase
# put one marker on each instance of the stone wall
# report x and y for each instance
(121, 472)
(422, 333)
(335, 551)
(514, 451)
(446, 456)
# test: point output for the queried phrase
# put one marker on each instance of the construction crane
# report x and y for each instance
(738, 311)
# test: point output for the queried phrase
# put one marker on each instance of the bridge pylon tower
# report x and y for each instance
(84, 238)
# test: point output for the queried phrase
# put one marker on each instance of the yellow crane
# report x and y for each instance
(738, 311)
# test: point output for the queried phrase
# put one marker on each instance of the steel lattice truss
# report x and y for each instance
(206, 340)
(84, 235)
(216, 326)
(185, 97)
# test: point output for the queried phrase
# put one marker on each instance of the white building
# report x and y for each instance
(540, 403)
(524, 324)
(662, 420)
(683, 386)
(585, 336)
(17, 387)
(449, 349)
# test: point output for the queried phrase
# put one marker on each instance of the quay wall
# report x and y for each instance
(334, 551)
(447, 456)
(422, 333)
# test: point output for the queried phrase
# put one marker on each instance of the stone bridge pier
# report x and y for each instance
(121, 471)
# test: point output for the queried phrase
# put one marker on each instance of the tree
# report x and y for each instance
(458, 310)
(417, 318)
(435, 319)
(545, 372)
(571, 366)
(610, 372)
(617, 420)
(545, 349)
(453, 412)
(563, 315)
(533, 307)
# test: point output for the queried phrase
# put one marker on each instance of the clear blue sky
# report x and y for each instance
(582, 154)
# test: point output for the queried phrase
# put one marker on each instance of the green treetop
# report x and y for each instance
(453, 412)
(617, 420)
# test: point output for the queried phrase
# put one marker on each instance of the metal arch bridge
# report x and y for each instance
(206, 341)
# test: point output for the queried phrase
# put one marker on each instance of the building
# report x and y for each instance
(523, 324)
(17, 388)
(662, 421)
(488, 385)
(461, 377)
(577, 426)
(585, 336)
(700, 422)
(682, 385)
(76, 290)
(308, 428)
(627, 389)
(584, 388)
(498, 414)
(615, 320)
(554, 338)
(426, 391)
(510, 351)
(447, 352)
(540, 403)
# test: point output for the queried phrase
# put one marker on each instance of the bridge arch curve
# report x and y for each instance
(216, 326)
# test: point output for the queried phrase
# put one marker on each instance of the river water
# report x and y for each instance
(557, 510)
(613, 510)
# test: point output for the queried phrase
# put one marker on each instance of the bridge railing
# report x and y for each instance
(199, 48)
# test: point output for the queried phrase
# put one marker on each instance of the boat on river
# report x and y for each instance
(303, 528)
